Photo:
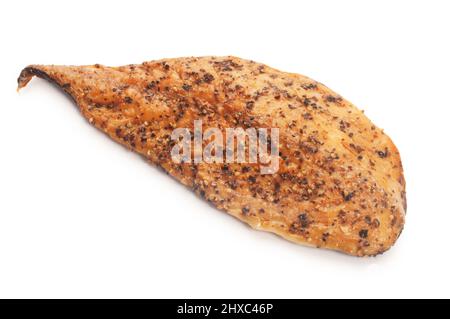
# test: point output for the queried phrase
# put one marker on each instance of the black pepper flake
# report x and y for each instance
(277, 187)
(348, 197)
(128, 100)
(245, 169)
(208, 78)
(166, 66)
(252, 179)
(330, 98)
(303, 218)
(309, 86)
(383, 154)
(187, 87)
(363, 233)
(375, 223)
(151, 85)
(245, 210)
(233, 185)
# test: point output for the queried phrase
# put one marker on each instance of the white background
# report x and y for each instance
(80, 216)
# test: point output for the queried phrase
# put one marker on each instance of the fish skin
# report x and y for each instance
(340, 183)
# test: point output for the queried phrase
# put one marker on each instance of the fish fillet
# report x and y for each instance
(340, 181)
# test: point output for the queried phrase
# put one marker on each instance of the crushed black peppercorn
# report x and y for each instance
(187, 87)
(128, 100)
(208, 78)
(348, 196)
(303, 218)
(383, 154)
(363, 233)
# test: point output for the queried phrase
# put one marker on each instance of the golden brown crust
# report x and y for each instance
(340, 183)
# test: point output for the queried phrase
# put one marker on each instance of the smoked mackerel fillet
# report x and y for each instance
(340, 181)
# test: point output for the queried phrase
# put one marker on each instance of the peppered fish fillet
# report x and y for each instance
(339, 183)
